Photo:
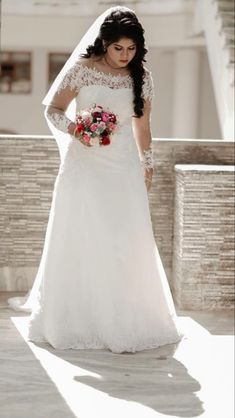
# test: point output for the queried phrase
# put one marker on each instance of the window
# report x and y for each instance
(15, 72)
(56, 62)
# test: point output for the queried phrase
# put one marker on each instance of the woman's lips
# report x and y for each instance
(124, 61)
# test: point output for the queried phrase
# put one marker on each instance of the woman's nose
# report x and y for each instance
(125, 54)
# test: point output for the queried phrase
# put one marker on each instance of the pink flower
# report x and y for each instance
(93, 127)
(113, 118)
(86, 138)
(112, 126)
(105, 117)
(87, 121)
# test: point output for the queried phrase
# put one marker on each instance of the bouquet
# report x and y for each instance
(95, 125)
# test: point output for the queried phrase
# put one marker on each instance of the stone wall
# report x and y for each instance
(28, 168)
(168, 153)
(203, 255)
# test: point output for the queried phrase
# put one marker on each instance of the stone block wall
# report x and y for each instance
(28, 168)
(168, 153)
(204, 237)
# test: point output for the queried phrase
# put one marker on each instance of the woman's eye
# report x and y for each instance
(130, 49)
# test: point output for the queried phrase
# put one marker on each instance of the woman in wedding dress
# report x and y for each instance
(101, 283)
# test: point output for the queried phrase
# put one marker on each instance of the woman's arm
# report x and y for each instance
(66, 92)
(55, 111)
(143, 137)
(142, 129)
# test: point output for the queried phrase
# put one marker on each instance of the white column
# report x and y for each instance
(186, 93)
(40, 72)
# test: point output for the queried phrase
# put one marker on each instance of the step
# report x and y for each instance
(225, 3)
(229, 33)
(228, 14)
(225, 6)
(226, 23)
(231, 74)
(226, 40)
(230, 54)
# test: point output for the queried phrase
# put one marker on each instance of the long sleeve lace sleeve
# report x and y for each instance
(142, 125)
(67, 91)
(58, 118)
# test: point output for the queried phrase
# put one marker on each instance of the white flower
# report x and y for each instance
(97, 109)
(85, 114)
(94, 140)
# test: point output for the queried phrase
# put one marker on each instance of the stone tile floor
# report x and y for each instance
(193, 378)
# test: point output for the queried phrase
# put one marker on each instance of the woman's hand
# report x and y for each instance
(148, 175)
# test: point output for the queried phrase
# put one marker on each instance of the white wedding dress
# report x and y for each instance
(101, 282)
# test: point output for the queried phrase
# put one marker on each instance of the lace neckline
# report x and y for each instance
(94, 70)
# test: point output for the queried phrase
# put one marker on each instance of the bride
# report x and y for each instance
(101, 283)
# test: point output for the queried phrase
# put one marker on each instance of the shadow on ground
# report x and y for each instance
(153, 378)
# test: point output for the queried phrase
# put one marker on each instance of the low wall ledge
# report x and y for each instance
(161, 141)
(204, 167)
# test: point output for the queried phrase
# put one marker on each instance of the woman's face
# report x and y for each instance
(120, 53)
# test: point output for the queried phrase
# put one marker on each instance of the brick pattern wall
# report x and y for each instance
(28, 168)
(203, 256)
(167, 153)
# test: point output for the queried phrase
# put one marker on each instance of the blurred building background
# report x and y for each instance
(191, 56)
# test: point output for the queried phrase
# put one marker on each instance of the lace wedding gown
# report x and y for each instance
(101, 282)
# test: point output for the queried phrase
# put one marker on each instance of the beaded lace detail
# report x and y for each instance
(59, 120)
(148, 87)
(147, 160)
(80, 75)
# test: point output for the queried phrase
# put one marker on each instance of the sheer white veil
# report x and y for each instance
(89, 37)
(30, 300)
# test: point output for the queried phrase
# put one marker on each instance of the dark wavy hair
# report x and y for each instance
(118, 24)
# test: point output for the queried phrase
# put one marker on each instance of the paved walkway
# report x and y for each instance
(191, 379)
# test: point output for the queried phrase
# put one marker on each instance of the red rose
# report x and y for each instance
(80, 127)
(113, 118)
(97, 115)
(106, 140)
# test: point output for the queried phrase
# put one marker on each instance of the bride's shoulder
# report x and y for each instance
(148, 86)
(148, 77)
(85, 62)
(147, 72)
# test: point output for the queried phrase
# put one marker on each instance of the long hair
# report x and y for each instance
(121, 23)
